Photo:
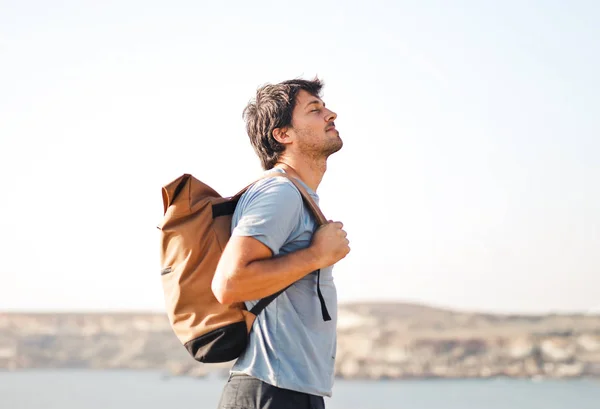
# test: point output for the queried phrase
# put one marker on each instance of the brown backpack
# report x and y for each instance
(193, 233)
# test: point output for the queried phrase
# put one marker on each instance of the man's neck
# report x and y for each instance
(310, 173)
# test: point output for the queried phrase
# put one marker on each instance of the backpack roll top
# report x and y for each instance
(173, 190)
(192, 238)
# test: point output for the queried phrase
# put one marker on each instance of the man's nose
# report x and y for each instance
(331, 116)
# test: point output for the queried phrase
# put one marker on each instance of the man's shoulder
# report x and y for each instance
(272, 187)
(270, 211)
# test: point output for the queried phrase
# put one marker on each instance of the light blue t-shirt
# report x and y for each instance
(290, 345)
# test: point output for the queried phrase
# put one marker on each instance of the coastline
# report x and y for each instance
(377, 341)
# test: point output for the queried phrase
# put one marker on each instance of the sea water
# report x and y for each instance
(88, 389)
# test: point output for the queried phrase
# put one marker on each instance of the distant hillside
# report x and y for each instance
(376, 340)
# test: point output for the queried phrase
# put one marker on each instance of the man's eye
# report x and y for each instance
(315, 110)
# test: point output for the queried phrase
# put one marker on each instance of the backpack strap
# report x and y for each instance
(320, 219)
(308, 200)
(263, 302)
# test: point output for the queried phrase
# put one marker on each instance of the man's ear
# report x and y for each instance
(281, 135)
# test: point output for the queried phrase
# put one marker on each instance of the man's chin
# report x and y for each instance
(334, 147)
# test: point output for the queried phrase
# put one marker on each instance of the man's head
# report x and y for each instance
(290, 118)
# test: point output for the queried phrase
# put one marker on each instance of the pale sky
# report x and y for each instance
(469, 179)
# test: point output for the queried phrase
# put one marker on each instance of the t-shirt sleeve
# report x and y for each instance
(270, 214)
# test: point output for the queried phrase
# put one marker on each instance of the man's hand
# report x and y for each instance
(329, 244)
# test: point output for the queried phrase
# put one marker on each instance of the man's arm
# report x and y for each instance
(247, 270)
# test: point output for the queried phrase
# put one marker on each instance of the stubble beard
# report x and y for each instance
(321, 150)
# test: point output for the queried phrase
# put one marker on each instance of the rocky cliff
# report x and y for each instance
(377, 340)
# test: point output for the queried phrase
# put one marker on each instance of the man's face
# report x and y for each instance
(313, 127)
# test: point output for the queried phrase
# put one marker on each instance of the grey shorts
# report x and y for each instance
(245, 392)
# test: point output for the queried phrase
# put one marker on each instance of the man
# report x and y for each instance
(289, 361)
